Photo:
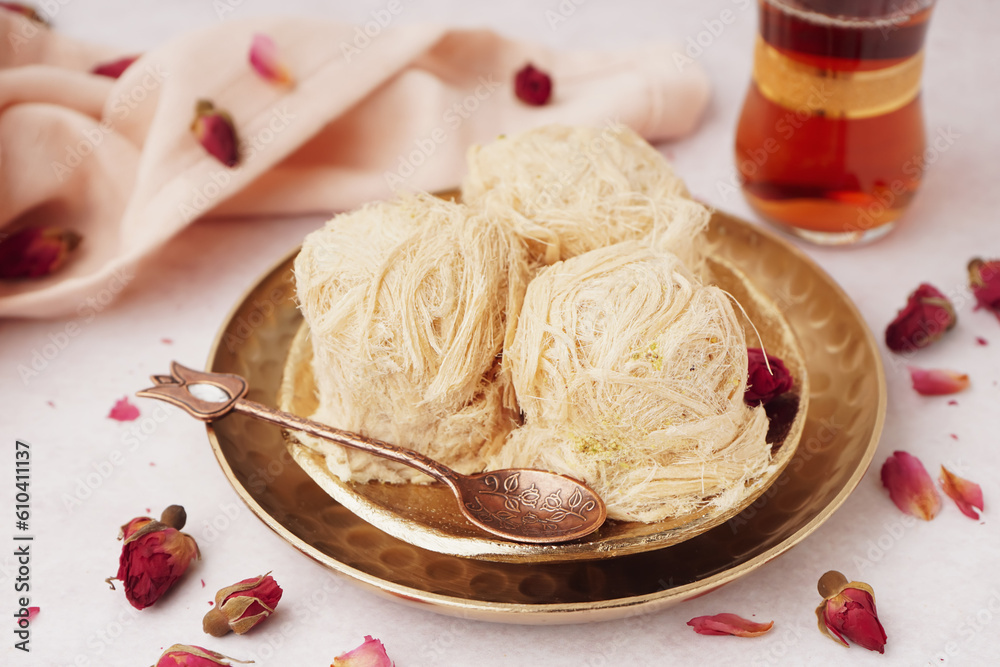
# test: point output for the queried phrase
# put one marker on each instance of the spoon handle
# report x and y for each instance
(386, 450)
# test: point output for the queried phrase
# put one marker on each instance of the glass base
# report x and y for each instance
(827, 222)
(836, 238)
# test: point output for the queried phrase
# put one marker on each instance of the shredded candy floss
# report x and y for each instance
(630, 374)
(406, 303)
(619, 366)
(573, 189)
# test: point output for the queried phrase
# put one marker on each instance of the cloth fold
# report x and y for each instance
(116, 161)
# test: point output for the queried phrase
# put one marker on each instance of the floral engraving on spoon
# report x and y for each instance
(524, 509)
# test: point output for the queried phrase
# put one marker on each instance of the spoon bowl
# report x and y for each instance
(526, 505)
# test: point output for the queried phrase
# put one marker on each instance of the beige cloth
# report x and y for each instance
(395, 108)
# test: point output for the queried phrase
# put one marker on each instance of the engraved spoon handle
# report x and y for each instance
(386, 450)
(186, 388)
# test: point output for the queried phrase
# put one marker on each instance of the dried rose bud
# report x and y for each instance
(909, 486)
(181, 655)
(264, 59)
(984, 281)
(24, 10)
(533, 86)
(154, 556)
(967, 495)
(214, 129)
(764, 384)
(938, 382)
(848, 611)
(728, 624)
(242, 606)
(369, 654)
(114, 68)
(36, 251)
(926, 316)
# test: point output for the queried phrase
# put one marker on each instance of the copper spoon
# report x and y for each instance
(522, 505)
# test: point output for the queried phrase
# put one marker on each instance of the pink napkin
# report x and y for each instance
(115, 160)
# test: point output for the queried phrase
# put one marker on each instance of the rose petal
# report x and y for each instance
(32, 612)
(909, 486)
(124, 411)
(214, 130)
(370, 654)
(728, 624)
(766, 379)
(24, 10)
(532, 86)
(35, 252)
(984, 281)
(114, 68)
(244, 605)
(180, 655)
(927, 315)
(967, 495)
(938, 381)
(264, 59)
(852, 615)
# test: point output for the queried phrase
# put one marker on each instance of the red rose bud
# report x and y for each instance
(910, 487)
(765, 384)
(154, 556)
(926, 316)
(181, 655)
(24, 10)
(984, 281)
(728, 624)
(265, 61)
(938, 382)
(242, 606)
(967, 495)
(848, 612)
(213, 128)
(114, 68)
(533, 86)
(370, 654)
(36, 251)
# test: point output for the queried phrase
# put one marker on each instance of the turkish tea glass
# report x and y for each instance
(830, 144)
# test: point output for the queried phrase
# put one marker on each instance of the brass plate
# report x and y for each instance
(843, 424)
(428, 516)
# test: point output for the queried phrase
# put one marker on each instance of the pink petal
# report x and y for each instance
(214, 130)
(369, 654)
(264, 59)
(967, 495)
(982, 341)
(728, 624)
(114, 68)
(910, 487)
(32, 612)
(937, 381)
(124, 411)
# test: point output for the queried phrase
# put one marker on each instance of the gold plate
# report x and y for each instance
(427, 515)
(843, 424)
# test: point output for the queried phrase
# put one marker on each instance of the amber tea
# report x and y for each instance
(830, 142)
